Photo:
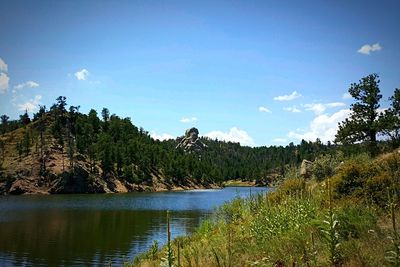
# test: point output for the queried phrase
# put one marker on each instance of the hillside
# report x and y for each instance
(65, 151)
(23, 160)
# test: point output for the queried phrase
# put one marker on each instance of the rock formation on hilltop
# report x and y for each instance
(191, 141)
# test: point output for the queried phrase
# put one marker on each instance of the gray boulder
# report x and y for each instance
(306, 168)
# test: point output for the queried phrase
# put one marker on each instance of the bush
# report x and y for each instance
(291, 216)
(288, 187)
(376, 188)
(324, 167)
(232, 211)
(352, 176)
(368, 180)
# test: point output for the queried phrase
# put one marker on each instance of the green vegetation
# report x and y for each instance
(365, 121)
(328, 222)
(113, 146)
(344, 216)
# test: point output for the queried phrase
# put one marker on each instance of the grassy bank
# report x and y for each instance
(239, 183)
(345, 216)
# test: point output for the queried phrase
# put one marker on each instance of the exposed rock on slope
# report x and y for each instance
(191, 142)
(306, 168)
(22, 174)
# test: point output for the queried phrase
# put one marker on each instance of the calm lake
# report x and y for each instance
(82, 230)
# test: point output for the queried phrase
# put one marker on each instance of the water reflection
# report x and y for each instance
(95, 229)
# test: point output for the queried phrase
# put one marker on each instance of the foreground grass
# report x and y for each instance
(349, 219)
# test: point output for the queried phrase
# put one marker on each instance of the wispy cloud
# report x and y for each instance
(31, 105)
(293, 109)
(264, 109)
(319, 108)
(292, 96)
(188, 120)
(82, 74)
(346, 96)
(161, 137)
(4, 80)
(3, 66)
(234, 135)
(30, 84)
(323, 127)
(367, 49)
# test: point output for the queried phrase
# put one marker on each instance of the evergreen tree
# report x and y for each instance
(364, 123)
(105, 113)
(104, 152)
(24, 119)
(26, 144)
(391, 119)
(4, 123)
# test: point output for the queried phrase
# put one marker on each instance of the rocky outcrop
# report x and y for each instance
(24, 186)
(306, 168)
(80, 181)
(191, 141)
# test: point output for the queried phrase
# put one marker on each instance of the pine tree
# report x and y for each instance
(363, 124)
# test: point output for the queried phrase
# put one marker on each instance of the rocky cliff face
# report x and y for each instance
(191, 142)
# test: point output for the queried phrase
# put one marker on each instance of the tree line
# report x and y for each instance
(115, 146)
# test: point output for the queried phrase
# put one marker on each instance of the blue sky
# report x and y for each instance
(258, 72)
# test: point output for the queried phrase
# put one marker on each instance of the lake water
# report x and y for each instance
(93, 230)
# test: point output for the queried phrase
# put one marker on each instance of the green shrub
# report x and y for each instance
(291, 215)
(376, 188)
(368, 180)
(292, 186)
(355, 221)
(232, 211)
(324, 167)
(352, 176)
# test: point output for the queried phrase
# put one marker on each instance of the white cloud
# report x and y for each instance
(292, 96)
(367, 49)
(280, 140)
(30, 84)
(82, 74)
(234, 135)
(319, 108)
(381, 110)
(161, 137)
(187, 120)
(31, 105)
(293, 109)
(346, 96)
(3, 65)
(4, 79)
(323, 127)
(264, 109)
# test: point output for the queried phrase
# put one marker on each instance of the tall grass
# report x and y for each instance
(302, 223)
(393, 254)
(329, 230)
(169, 258)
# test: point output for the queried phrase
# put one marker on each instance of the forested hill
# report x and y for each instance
(61, 150)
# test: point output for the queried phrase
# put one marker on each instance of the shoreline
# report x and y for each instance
(27, 186)
(239, 183)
